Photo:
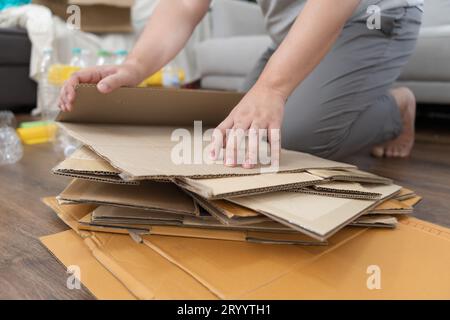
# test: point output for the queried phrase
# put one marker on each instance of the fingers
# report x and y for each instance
(234, 154)
(274, 136)
(251, 158)
(219, 136)
(112, 82)
(88, 75)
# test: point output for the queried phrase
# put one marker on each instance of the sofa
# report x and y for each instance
(17, 90)
(238, 38)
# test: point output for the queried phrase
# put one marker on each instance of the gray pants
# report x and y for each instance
(344, 105)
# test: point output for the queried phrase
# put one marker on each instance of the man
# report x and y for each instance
(326, 83)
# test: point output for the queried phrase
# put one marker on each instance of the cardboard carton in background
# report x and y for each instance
(100, 16)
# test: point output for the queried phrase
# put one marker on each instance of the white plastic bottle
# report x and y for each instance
(170, 78)
(103, 57)
(47, 94)
(120, 56)
(11, 149)
(78, 58)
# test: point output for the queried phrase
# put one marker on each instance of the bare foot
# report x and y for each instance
(401, 146)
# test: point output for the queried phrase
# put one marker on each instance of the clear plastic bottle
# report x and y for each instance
(78, 58)
(103, 57)
(64, 144)
(47, 94)
(11, 150)
(120, 55)
(170, 77)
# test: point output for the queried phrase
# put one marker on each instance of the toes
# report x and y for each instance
(378, 151)
(389, 152)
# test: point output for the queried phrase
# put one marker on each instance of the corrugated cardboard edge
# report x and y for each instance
(332, 232)
(99, 178)
(208, 194)
(345, 195)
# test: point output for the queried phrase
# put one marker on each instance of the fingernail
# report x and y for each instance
(103, 86)
(229, 162)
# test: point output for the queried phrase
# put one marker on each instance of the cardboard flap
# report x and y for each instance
(150, 106)
(70, 249)
(151, 195)
(226, 187)
(317, 216)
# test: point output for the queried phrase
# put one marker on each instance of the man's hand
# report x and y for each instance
(261, 110)
(107, 78)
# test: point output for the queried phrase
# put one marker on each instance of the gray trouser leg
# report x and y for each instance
(344, 105)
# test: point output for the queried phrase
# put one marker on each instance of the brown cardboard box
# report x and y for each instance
(100, 16)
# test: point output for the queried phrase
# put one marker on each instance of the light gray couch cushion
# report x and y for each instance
(437, 13)
(221, 82)
(233, 56)
(431, 59)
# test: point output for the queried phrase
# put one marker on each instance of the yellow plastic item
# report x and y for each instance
(58, 73)
(156, 79)
(35, 135)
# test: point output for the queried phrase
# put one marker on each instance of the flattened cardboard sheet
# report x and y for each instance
(86, 164)
(151, 195)
(227, 187)
(69, 249)
(370, 220)
(393, 207)
(138, 216)
(219, 214)
(350, 190)
(137, 139)
(339, 271)
(367, 220)
(405, 194)
(350, 174)
(79, 218)
(150, 106)
(316, 216)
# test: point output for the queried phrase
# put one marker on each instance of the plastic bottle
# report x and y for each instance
(103, 57)
(78, 58)
(120, 55)
(47, 98)
(11, 149)
(170, 77)
(64, 144)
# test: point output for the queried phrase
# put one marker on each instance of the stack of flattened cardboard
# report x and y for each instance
(135, 213)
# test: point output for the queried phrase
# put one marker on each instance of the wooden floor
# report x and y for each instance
(426, 171)
(28, 270)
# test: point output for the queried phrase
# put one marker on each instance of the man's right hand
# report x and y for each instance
(108, 78)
